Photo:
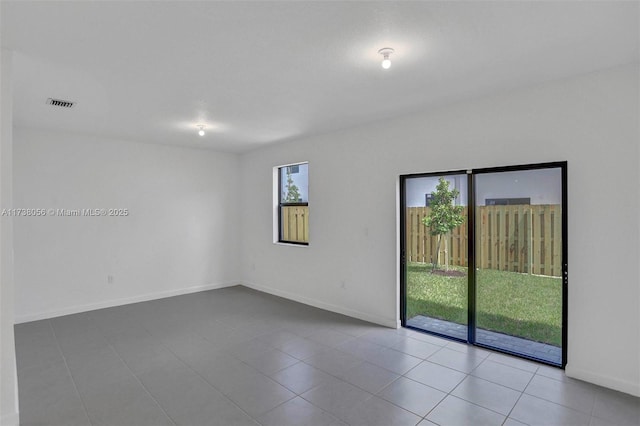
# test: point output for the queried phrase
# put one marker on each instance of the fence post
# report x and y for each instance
(530, 240)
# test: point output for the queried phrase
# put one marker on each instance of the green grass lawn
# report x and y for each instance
(528, 306)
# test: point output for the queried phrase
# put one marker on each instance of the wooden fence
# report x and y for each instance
(295, 224)
(518, 238)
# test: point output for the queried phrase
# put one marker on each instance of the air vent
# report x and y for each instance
(60, 103)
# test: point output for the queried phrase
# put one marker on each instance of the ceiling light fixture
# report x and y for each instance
(385, 52)
(201, 131)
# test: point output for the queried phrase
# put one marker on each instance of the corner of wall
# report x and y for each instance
(70, 310)
(385, 322)
(9, 378)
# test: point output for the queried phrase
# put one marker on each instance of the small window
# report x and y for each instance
(293, 203)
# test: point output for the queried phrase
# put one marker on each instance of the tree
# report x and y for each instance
(293, 193)
(444, 217)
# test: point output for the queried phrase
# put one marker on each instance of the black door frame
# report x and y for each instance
(471, 291)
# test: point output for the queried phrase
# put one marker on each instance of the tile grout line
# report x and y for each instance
(114, 350)
(211, 384)
(165, 346)
(73, 381)
(363, 360)
(590, 413)
(520, 397)
(304, 399)
(450, 393)
(413, 412)
(141, 384)
(500, 384)
(408, 378)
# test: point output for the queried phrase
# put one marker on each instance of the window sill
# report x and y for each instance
(281, 243)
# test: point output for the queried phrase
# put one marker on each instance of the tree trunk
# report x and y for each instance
(435, 262)
(446, 252)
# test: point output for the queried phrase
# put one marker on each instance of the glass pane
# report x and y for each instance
(294, 222)
(295, 183)
(519, 262)
(436, 254)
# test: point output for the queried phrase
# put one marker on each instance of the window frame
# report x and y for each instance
(279, 204)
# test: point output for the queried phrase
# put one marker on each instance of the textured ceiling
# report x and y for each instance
(262, 72)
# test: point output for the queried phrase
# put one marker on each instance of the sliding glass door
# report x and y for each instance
(484, 258)
(519, 261)
(436, 253)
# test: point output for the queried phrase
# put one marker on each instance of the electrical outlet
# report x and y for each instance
(109, 279)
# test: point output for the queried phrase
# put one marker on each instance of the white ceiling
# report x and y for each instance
(263, 72)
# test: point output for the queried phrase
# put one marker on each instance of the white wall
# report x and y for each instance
(8, 375)
(181, 234)
(591, 121)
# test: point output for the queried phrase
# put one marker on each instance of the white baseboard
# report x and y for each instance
(118, 302)
(386, 322)
(608, 382)
(12, 419)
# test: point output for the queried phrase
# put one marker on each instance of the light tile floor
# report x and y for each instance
(239, 357)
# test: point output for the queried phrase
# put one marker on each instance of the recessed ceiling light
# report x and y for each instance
(385, 52)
